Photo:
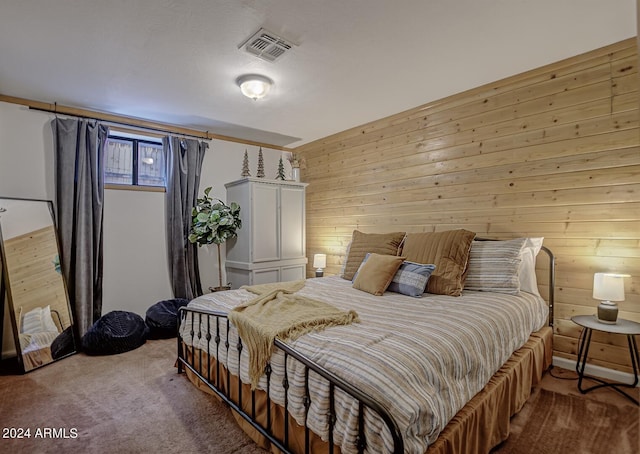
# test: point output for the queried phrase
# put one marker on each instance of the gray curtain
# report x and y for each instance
(79, 151)
(184, 161)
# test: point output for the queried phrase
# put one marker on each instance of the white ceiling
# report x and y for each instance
(176, 61)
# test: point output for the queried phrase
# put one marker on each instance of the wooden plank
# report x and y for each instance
(614, 52)
(496, 109)
(608, 356)
(412, 214)
(626, 101)
(625, 84)
(420, 165)
(456, 146)
(450, 188)
(567, 328)
(566, 174)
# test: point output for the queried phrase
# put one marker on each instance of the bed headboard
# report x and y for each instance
(552, 281)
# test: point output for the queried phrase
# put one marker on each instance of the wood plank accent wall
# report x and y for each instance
(553, 152)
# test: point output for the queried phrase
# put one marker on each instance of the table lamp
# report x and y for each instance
(319, 263)
(608, 288)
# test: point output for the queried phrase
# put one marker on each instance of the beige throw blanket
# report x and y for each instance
(278, 312)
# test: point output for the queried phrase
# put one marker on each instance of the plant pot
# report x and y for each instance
(220, 289)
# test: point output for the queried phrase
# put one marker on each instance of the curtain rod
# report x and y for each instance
(131, 122)
(120, 123)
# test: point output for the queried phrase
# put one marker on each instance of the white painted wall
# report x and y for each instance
(21, 217)
(135, 263)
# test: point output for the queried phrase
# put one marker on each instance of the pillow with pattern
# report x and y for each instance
(494, 266)
(361, 243)
(411, 279)
(448, 250)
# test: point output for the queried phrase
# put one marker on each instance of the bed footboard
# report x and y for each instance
(207, 324)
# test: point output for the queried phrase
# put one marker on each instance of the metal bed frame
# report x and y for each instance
(212, 320)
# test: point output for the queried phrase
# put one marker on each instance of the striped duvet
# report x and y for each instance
(421, 358)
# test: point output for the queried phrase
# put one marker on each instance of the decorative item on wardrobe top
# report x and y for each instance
(245, 165)
(296, 165)
(260, 173)
(280, 174)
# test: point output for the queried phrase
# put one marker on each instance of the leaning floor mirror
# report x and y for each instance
(38, 303)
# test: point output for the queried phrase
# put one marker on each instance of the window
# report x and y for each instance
(134, 161)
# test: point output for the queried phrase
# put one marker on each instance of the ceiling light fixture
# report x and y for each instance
(254, 86)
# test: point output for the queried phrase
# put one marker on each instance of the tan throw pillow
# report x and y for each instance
(378, 243)
(376, 273)
(448, 251)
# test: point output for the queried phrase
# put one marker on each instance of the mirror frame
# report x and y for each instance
(5, 288)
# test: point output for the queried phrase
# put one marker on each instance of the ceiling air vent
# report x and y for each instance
(267, 45)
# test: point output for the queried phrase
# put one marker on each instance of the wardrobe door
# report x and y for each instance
(292, 222)
(265, 226)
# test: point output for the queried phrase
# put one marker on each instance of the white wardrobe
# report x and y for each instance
(270, 246)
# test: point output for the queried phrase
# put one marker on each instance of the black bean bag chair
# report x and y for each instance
(115, 332)
(162, 318)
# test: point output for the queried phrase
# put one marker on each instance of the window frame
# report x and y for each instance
(135, 140)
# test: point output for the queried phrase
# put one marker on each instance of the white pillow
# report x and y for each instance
(38, 320)
(344, 262)
(47, 320)
(32, 321)
(527, 271)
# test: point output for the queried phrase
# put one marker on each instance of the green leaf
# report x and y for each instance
(212, 221)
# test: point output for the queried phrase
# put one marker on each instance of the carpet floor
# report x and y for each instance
(137, 403)
(553, 423)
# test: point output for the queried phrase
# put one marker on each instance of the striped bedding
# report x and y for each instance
(421, 358)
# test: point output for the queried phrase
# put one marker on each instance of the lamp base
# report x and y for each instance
(608, 312)
(319, 273)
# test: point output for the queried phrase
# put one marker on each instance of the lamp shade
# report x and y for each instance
(608, 286)
(254, 86)
(320, 260)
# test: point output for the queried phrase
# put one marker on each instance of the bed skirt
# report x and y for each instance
(481, 424)
(36, 358)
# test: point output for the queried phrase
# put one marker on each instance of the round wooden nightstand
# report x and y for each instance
(624, 327)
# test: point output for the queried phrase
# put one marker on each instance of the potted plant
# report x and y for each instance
(214, 222)
(296, 165)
